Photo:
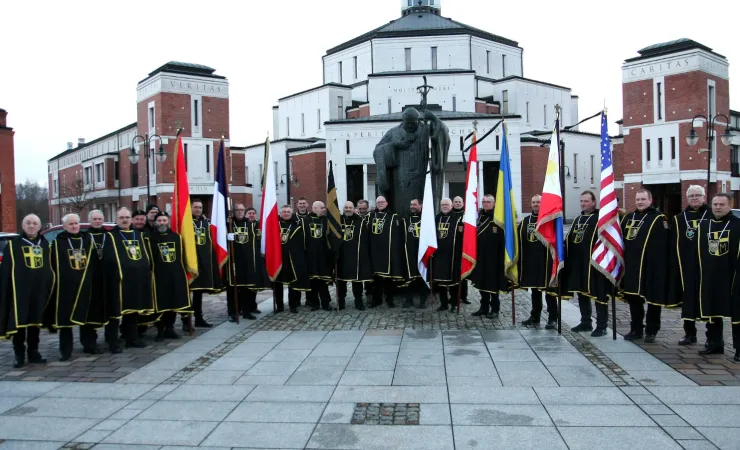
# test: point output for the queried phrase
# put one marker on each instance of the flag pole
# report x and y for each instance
(459, 295)
(513, 307)
(232, 267)
(614, 312)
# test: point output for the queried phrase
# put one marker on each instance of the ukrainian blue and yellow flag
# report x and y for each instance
(504, 215)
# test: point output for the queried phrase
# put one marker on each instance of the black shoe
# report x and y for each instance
(256, 311)
(422, 304)
(315, 308)
(65, 358)
(649, 338)
(531, 321)
(465, 301)
(160, 335)
(442, 308)
(713, 350)
(492, 316)
(341, 307)
(391, 305)
(408, 303)
(136, 344)
(479, 313)
(92, 350)
(737, 356)
(232, 319)
(169, 333)
(453, 309)
(598, 332)
(633, 336)
(19, 361)
(551, 324)
(687, 340)
(186, 325)
(34, 357)
(327, 308)
(582, 327)
(201, 323)
(293, 310)
(114, 348)
(248, 316)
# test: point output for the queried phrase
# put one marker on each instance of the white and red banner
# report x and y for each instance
(428, 232)
(470, 217)
(271, 245)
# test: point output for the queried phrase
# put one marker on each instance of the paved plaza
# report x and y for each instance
(378, 379)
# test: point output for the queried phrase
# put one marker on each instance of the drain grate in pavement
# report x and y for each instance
(386, 414)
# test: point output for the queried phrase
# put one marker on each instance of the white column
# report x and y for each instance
(364, 181)
(480, 183)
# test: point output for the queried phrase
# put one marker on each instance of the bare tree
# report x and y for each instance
(76, 195)
(31, 198)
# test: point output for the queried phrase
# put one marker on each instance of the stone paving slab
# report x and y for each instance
(507, 438)
(361, 437)
(617, 438)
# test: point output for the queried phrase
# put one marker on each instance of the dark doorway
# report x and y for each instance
(490, 177)
(354, 184)
(457, 189)
(666, 197)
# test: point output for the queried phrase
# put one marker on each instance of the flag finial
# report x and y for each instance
(475, 126)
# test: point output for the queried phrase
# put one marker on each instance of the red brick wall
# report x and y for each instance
(534, 163)
(364, 111)
(480, 107)
(238, 169)
(7, 176)
(631, 161)
(493, 109)
(310, 170)
(637, 103)
(215, 118)
(353, 113)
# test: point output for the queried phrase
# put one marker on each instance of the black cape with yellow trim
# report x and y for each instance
(714, 284)
(412, 224)
(386, 240)
(171, 292)
(73, 267)
(645, 250)
(354, 256)
(535, 261)
(319, 257)
(579, 276)
(128, 273)
(209, 274)
(26, 284)
(447, 259)
(295, 270)
(250, 264)
(489, 274)
(683, 257)
(96, 309)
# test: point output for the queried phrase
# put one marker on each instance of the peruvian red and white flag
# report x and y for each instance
(470, 218)
(271, 245)
(427, 233)
(219, 210)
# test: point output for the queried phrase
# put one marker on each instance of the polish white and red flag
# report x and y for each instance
(271, 245)
(428, 232)
(470, 217)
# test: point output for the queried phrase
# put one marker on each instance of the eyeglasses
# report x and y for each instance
(695, 196)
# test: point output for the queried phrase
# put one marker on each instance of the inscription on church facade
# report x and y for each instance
(641, 71)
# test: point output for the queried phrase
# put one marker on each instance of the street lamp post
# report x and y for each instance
(692, 139)
(133, 155)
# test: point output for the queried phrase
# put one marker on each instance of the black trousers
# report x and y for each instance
(88, 339)
(584, 304)
(715, 338)
(448, 294)
(464, 292)
(490, 302)
(319, 291)
(637, 313)
(689, 327)
(198, 303)
(368, 285)
(166, 320)
(129, 329)
(23, 336)
(342, 292)
(294, 297)
(552, 305)
(383, 287)
(247, 300)
(417, 287)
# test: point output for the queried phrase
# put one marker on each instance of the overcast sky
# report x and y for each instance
(69, 69)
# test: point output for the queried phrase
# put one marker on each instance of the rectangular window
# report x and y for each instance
(347, 145)
(56, 186)
(527, 111)
(434, 58)
(185, 154)
(287, 126)
(262, 176)
(660, 149)
(354, 66)
(276, 170)
(340, 72)
(318, 119)
(195, 112)
(673, 147)
(498, 142)
(647, 149)
(503, 66)
(544, 116)
(99, 173)
(505, 100)
(488, 61)
(592, 170)
(575, 167)
(246, 174)
(115, 170)
(734, 161)
(390, 106)
(407, 53)
(462, 143)
(134, 175)
(712, 112)
(151, 117)
(303, 124)
(660, 100)
(340, 107)
(454, 103)
(711, 101)
(88, 171)
(208, 158)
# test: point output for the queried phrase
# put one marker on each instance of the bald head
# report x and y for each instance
(458, 203)
(381, 203)
(349, 209)
(536, 200)
(318, 208)
(445, 205)
(31, 225)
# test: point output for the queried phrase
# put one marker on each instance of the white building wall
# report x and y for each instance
(347, 57)
(665, 169)
(453, 52)
(402, 91)
(301, 112)
(583, 162)
(488, 61)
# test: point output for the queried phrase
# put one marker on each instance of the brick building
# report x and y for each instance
(663, 90)
(100, 175)
(7, 175)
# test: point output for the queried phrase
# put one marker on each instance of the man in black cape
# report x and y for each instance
(73, 257)
(319, 257)
(128, 281)
(448, 257)
(139, 221)
(386, 252)
(294, 273)
(579, 276)
(251, 273)
(97, 304)
(151, 217)
(683, 259)
(302, 208)
(26, 281)
(458, 207)
(489, 274)
(353, 265)
(713, 284)
(209, 274)
(645, 234)
(171, 292)
(535, 269)
(363, 209)
(415, 284)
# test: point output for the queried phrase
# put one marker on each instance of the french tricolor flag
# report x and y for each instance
(219, 210)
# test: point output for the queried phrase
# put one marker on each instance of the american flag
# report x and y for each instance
(608, 254)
